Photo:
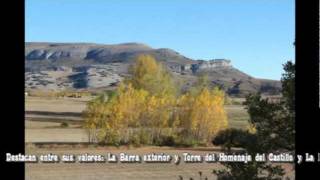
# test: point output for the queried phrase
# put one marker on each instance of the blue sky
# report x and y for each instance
(257, 35)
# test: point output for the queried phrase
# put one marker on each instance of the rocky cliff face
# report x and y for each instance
(202, 65)
(211, 64)
(58, 66)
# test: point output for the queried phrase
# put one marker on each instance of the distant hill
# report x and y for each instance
(58, 66)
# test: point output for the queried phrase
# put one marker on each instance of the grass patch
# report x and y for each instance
(238, 116)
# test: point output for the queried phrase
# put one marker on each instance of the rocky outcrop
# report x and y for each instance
(202, 65)
(211, 64)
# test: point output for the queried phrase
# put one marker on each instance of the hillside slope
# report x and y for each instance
(59, 66)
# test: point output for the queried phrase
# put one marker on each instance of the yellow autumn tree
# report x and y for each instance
(94, 115)
(126, 110)
(147, 101)
(183, 111)
(202, 115)
(120, 112)
(158, 114)
(128, 106)
(153, 77)
(148, 74)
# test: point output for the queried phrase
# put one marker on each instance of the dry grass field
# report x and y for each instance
(122, 171)
(47, 128)
(237, 116)
(52, 104)
(117, 171)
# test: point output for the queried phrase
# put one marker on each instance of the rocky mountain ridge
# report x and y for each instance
(58, 66)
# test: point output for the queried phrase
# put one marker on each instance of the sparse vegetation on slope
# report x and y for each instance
(59, 66)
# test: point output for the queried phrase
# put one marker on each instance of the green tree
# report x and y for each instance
(274, 130)
(288, 85)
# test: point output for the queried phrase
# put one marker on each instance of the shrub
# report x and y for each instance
(188, 142)
(109, 137)
(64, 125)
(234, 138)
(167, 140)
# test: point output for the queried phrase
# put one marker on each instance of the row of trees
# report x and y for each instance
(149, 105)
